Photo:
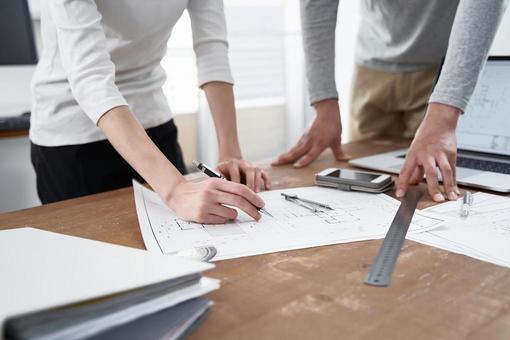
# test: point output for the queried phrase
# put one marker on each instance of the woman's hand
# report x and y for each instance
(221, 102)
(206, 201)
(240, 171)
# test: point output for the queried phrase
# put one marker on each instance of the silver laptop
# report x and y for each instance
(483, 134)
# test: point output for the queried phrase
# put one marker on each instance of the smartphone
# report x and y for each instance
(352, 178)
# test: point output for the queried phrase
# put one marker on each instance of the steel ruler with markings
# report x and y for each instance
(384, 263)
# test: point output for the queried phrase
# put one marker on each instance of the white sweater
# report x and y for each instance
(105, 53)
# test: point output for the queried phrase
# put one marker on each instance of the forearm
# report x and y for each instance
(220, 97)
(473, 31)
(318, 21)
(132, 142)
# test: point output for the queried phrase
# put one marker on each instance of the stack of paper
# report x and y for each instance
(61, 287)
(484, 234)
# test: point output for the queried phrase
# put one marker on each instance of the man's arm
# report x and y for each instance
(434, 145)
(318, 21)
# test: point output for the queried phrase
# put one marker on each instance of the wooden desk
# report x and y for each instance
(319, 292)
(13, 133)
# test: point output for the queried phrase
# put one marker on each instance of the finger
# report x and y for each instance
(309, 157)
(448, 180)
(405, 174)
(249, 174)
(417, 176)
(257, 180)
(293, 154)
(453, 163)
(260, 184)
(213, 219)
(235, 175)
(267, 181)
(339, 154)
(432, 183)
(239, 202)
(222, 211)
(240, 190)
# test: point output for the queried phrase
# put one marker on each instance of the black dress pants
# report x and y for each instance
(71, 171)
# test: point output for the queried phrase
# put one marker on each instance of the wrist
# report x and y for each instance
(327, 107)
(443, 114)
(168, 189)
(229, 151)
(228, 156)
(328, 112)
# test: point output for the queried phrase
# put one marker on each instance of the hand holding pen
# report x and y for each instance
(214, 174)
(210, 201)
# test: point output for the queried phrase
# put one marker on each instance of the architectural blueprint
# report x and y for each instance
(356, 216)
(484, 234)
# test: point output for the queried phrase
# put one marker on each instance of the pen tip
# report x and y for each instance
(195, 163)
(266, 212)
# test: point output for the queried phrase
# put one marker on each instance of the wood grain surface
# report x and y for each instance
(315, 293)
(13, 133)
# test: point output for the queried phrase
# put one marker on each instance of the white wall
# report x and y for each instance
(17, 177)
(346, 34)
(501, 45)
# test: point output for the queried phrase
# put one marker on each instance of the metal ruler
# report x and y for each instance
(384, 263)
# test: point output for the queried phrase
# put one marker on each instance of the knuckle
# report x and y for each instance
(201, 207)
(238, 201)
(243, 190)
(447, 171)
(200, 216)
(208, 193)
(429, 171)
(211, 183)
(202, 197)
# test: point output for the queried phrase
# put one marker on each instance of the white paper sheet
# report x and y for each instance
(484, 235)
(41, 270)
(356, 217)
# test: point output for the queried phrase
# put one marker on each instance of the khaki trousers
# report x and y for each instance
(388, 104)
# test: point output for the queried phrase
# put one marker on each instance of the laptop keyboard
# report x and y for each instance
(480, 164)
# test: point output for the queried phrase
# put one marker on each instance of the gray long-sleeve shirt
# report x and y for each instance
(403, 36)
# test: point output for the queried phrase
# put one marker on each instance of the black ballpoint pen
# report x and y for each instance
(214, 174)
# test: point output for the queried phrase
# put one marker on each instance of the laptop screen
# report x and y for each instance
(485, 125)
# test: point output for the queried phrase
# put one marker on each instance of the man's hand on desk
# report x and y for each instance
(207, 201)
(434, 146)
(323, 132)
(240, 171)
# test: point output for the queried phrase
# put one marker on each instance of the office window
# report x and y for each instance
(259, 53)
(256, 51)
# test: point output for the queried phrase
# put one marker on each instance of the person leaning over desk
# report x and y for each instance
(100, 76)
(400, 45)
